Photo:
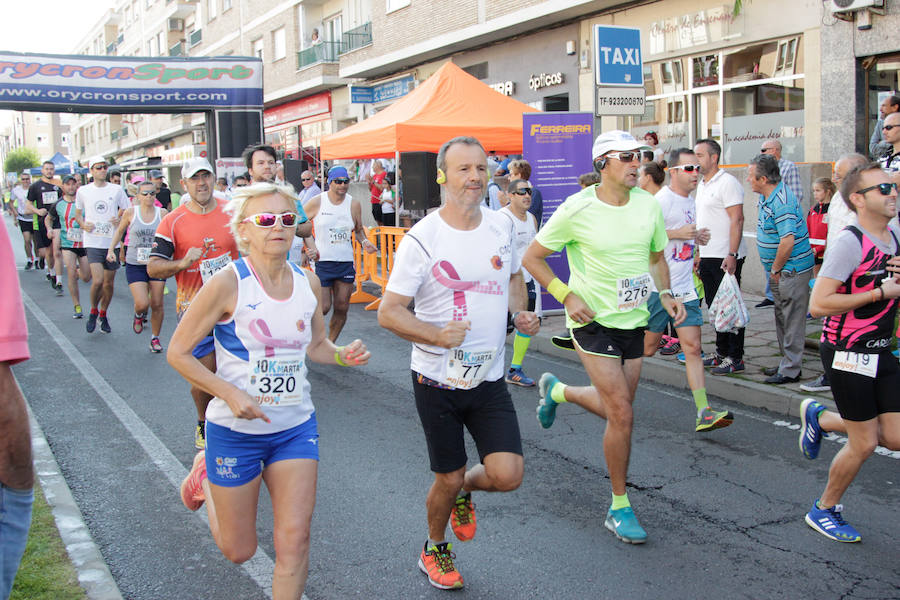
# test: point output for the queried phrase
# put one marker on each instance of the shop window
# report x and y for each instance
(671, 77)
(882, 80)
(762, 99)
(705, 70)
(556, 103)
(745, 64)
(786, 56)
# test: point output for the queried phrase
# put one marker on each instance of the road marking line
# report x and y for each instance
(260, 566)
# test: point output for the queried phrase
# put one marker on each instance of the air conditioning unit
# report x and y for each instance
(852, 5)
(176, 24)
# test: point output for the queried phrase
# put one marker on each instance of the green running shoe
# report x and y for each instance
(546, 410)
(624, 524)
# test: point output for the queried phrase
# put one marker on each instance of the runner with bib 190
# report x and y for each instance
(614, 235)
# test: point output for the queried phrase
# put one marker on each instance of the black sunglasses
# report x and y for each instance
(889, 127)
(306, 178)
(526, 191)
(884, 188)
(341, 180)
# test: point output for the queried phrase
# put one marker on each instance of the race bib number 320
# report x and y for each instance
(465, 369)
(275, 382)
(631, 292)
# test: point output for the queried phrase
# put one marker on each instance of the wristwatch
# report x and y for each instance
(734, 254)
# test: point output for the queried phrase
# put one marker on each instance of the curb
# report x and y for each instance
(93, 573)
(729, 388)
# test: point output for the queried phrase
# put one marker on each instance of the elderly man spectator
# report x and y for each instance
(791, 178)
(783, 243)
(310, 188)
(16, 470)
(878, 147)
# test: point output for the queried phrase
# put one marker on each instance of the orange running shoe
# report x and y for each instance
(462, 518)
(192, 487)
(437, 563)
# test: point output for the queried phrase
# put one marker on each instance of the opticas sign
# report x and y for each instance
(144, 84)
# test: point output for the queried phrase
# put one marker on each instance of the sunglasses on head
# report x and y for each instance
(686, 168)
(287, 219)
(525, 191)
(884, 188)
(889, 127)
(624, 156)
(340, 180)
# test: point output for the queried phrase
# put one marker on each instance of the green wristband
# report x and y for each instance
(337, 357)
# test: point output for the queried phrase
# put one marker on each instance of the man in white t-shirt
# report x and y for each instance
(461, 265)
(839, 216)
(720, 208)
(19, 195)
(98, 207)
(680, 216)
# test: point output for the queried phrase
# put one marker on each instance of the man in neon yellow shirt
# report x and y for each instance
(614, 235)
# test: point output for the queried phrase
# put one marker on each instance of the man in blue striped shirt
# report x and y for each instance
(783, 243)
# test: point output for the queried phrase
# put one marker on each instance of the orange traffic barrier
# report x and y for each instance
(376, 267)
(361, 260)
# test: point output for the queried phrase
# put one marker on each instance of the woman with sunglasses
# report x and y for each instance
(261, 423)
(139, 224)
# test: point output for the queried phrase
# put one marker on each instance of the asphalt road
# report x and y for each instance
(724, 511)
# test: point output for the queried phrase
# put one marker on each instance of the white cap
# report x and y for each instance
(194, 165)
(616, 141)
(96, 159)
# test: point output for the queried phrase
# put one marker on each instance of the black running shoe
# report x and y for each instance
(104, 325)
(91, 323)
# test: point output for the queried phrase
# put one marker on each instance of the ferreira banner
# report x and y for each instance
(116, 84)
(558, 147)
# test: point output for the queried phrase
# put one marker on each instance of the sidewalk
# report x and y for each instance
(760, 351)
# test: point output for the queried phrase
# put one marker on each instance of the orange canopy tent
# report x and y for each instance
(449, 103)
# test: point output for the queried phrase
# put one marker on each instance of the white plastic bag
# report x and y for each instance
(728, 313)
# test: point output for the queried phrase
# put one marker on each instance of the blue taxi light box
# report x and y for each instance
(617, 56)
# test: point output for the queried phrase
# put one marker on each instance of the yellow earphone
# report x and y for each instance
(441, 177)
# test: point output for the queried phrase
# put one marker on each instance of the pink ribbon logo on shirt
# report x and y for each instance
(260, 332)
(445, 274)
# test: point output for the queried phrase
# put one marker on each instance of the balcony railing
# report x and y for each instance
(357, 38)
(177, 50)
(111, 49)
(196, 37)
(114, 135)
(322, 52)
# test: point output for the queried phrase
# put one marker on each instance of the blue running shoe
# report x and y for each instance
(830, 523)
(517, 377)
(91, 323)
(546, 410)
(624, 524)
(810, 431)
(683, 360)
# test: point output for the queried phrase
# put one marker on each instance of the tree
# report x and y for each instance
(20, 159)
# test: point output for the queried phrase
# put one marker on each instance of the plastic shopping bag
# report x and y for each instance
(728, 313)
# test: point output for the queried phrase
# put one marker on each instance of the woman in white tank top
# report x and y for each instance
(266, 322)
(141, 221)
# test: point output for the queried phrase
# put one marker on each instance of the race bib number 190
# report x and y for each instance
(856, 362)
(465, 369)
(339, 235)
(631, 292)
(209, 266)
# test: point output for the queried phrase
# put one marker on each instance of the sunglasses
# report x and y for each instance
(287, 219)
(884, 188)
(103, 168)
(686, 168)
(306, 179)
(624, 156)
(340, 180)
(150, 193)
(889, 127)
(526, 191)
(764, 150)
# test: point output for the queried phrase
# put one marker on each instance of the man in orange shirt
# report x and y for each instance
(192, 243)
